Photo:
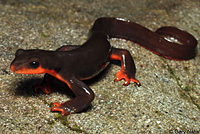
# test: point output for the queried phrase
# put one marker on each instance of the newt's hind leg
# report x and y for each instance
(128, 69)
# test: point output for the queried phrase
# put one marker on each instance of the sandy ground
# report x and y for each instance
(167, 102)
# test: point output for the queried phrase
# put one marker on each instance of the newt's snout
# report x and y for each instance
(12, 67)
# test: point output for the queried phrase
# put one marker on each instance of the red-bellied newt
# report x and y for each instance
(72, 64)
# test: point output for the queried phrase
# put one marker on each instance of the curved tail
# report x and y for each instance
(169, 42)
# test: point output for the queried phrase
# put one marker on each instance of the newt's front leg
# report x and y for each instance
(45, 84)
(84, 96)
(128, 69)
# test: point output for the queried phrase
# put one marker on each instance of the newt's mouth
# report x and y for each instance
(16, 70)
(23, 70)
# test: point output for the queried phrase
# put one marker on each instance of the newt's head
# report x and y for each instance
(28, 62)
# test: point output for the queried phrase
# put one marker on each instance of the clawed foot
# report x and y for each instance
(61, 108)
(121, 75)
(45, 89)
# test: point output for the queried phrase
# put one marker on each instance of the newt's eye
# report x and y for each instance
(34, 64)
